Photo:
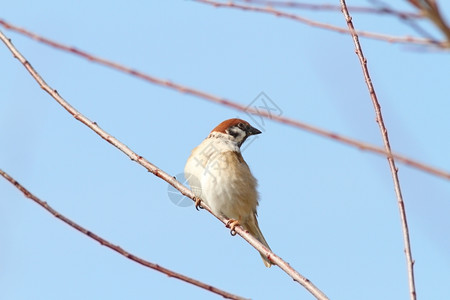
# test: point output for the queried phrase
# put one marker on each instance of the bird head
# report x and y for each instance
(236, 130)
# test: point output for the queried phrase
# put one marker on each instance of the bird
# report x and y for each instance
(218, 175)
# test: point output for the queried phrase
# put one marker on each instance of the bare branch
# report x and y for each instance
(430, 9)
(409, 18)
(306, 283)
(332, 7)
(373, 35)
(384, 134)
(216, 99)
(116, 248)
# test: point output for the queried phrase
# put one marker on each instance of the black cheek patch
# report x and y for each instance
(233, 133)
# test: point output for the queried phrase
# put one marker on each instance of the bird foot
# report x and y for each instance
(198, 203)
(232, 223)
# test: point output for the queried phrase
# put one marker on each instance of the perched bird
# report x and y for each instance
(219, 176)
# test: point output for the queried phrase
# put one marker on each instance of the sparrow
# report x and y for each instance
(218, 175)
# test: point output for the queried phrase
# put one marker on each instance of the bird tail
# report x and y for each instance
(253, 228)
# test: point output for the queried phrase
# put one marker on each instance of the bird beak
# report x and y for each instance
(252, 130)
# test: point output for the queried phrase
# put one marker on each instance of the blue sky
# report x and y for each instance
(326, 208)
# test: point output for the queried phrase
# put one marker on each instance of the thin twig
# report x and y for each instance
(306, 283)
(333, 7)
(384, 134)
(430, 9)
(409, 18)
(263, 113)
(278, 13)
(116, 248)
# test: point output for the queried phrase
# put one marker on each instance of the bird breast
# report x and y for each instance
(220, 177)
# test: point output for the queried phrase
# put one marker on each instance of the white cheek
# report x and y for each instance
(237, 134)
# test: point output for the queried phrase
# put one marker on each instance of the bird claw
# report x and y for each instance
(198, 203)
(232, 224)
